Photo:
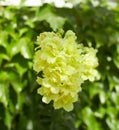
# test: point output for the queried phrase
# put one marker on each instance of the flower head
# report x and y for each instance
(65, 65)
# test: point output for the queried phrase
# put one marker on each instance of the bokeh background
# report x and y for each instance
(96, 23)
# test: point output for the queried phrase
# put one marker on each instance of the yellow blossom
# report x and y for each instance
(65, 65)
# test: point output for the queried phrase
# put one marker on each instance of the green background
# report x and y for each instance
(21, 107)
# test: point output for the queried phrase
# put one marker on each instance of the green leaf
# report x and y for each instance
(23, 31)
(113, 81)
(8, 119)
(100, 113)
(15, 81)
(116, 60)
(114, 96)
(30, 23)
(3, 56)
(13, 49)
(4, 93)
(46, 13)
(8, 14)
(21, 101)
(94, 89)
(23, 46)
(90, 120)
(26, 48)
(3, 38)
(102, 97)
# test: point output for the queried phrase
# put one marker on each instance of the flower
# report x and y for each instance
(65, 65)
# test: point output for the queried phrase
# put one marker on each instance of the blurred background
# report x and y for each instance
(96, 23)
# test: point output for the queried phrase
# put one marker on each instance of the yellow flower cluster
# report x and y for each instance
(65, 65)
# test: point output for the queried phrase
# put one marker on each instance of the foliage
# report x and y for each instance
(20, 105)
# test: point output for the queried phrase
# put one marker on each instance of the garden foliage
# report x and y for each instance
(21, 107)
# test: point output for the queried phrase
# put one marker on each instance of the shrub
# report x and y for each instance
(21, 107)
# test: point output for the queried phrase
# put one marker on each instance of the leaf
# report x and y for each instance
(26, 47)
(15, 81)
(23, 46)
(46, 13)
(23, 31)
(8, 119)
(3, 56)
(13, 49)
(116, 60)
(102, 96)
(90, 120)
(94, 89)
(115, 98)
(4, 93)
(21, 101)
(8, 14)
(3, 39)
(100, 113)
(113, 81)
(30, 23)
